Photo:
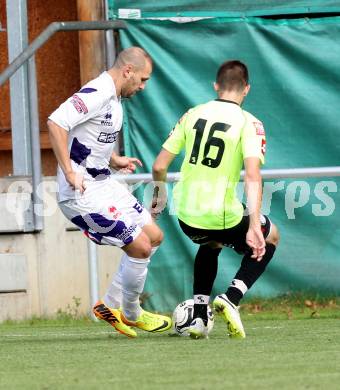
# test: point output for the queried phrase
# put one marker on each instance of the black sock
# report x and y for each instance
(234, 295)
(201, 311)
(249, 272)
(205, 269)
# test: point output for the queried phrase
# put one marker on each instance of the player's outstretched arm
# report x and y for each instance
(124, 164)
(253, 189)
(58, 138)
(161, 165)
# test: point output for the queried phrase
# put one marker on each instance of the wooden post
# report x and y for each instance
(91, 43)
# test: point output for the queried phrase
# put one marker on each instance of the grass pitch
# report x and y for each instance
(286, 348)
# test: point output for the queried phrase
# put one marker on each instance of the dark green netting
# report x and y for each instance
(295, 91)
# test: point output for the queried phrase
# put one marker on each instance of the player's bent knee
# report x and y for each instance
(274, 236)
(139, 252)
(154, 233)
(158, 239)
(140, 248)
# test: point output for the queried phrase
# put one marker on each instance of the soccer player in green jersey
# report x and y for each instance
(219, 138)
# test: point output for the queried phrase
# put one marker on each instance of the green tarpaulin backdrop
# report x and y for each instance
(227, 8)
(295, 79)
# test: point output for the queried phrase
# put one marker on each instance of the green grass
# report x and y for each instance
(286, 347)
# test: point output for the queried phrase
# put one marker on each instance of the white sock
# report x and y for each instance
(201, 299)
(114, 295)
(133, 280)
(240, 285)
(153, 250)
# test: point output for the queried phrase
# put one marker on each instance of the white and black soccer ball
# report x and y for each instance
(183, 315)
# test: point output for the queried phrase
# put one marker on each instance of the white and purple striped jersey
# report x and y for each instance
(93, 116)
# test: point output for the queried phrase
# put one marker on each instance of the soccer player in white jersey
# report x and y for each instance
(83, 132)
(219, 137)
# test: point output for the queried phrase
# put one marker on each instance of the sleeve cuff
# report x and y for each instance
(59, 122)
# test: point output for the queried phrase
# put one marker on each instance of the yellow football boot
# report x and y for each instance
(149, 322)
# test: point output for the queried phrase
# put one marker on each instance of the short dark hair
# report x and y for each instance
(232, 75)
(133, 55)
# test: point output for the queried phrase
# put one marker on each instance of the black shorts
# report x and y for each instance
(234, 237)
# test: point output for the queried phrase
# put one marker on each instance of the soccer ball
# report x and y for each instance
(182, 317)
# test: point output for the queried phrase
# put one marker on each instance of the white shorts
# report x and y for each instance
(107, 213)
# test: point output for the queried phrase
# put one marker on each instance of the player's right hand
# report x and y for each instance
(256, 242)
(76, 181)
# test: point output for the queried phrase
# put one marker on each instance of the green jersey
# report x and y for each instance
(217, 137)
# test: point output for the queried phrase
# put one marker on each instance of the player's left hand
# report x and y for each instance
(126, 164)
(256, 242)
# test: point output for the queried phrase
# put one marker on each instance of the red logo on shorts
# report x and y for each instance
(115, 213)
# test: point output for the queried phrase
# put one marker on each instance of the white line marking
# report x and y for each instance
(268, 327)
(42, 334)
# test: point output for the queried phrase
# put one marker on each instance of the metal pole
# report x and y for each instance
(35, 145)
(293, 173)
(48, 32)
(111, 54)
(93, 274)
(17, 42)
(109, 40)
(28, 52)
